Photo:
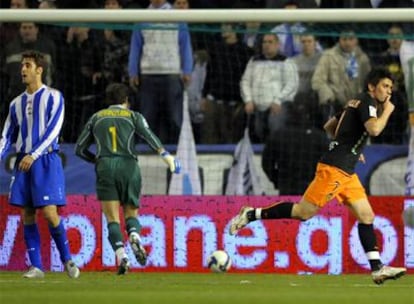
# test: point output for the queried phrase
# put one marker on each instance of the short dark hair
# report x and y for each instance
(116, 93)
(37, 57)
(291, 2)
(375, 76)
(271, 34)
(120, 2)
(347, 31)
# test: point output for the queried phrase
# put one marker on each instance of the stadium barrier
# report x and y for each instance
(180, 232)
(382, 174)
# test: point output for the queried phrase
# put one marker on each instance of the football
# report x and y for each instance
(219, 261)
(408, 217)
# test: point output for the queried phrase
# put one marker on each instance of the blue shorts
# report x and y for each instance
(42, 185)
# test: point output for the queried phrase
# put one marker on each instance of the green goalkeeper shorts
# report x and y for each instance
(118, 179)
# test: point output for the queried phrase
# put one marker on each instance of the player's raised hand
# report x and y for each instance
(173, 163)
(388, 105)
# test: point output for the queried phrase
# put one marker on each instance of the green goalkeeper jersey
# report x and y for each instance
(115, 131)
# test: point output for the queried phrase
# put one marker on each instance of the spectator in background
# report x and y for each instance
(115, 51)
(396, 130)
(391, 3)
(407, 63)
(357, 4)
(112, 4)
(47, 4)
(291, 153)
(195, 92)
(240, 4)
(8, 32)
(181, 4)
(161, 58)
(18, 4)
(222, 105)
(408, 27)
(300, 3)
(340, 73)
(270, 81)
(195, 88)
(199, 72)
(213, 4)
(135, 3)
(28, 39)
(58, 35)
(83, 70)
(306, 62)
(77, 4)
(252, 36)
(288, 33)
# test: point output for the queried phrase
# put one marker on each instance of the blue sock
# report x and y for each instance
(59, 236)
(32, 240)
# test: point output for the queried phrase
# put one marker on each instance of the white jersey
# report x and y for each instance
(269, 81)
(34, 122)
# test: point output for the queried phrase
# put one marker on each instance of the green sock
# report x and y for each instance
(115, 235)
(132, 225)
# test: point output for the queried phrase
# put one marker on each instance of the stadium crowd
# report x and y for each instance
(211, 4)
(231, 73)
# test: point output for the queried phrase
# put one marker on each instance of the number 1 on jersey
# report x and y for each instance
(112, 130)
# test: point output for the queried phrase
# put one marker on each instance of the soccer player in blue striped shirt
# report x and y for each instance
(33, 123)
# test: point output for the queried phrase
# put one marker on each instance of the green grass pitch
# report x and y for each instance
(183, 288)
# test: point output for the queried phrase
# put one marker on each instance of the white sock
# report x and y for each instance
(134, 235)
(373, 255)
(120, 254)
(258, 213)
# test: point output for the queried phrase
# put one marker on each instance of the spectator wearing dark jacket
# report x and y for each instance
(222, 103)
(29, 38)
(290, 154)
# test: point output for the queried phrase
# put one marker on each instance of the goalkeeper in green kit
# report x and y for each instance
(115, 132)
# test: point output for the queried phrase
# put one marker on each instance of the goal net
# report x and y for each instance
(255, 69)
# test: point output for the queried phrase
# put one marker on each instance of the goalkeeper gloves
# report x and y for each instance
(171, 161)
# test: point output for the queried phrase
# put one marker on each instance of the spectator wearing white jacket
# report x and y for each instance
(270, 81)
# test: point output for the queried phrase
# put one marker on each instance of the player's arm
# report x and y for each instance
(330, 126)
(143, 130)
(375, 125)
(9, 133)
(83, 143)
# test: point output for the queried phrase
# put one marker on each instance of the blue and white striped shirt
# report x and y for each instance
(34, 122)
